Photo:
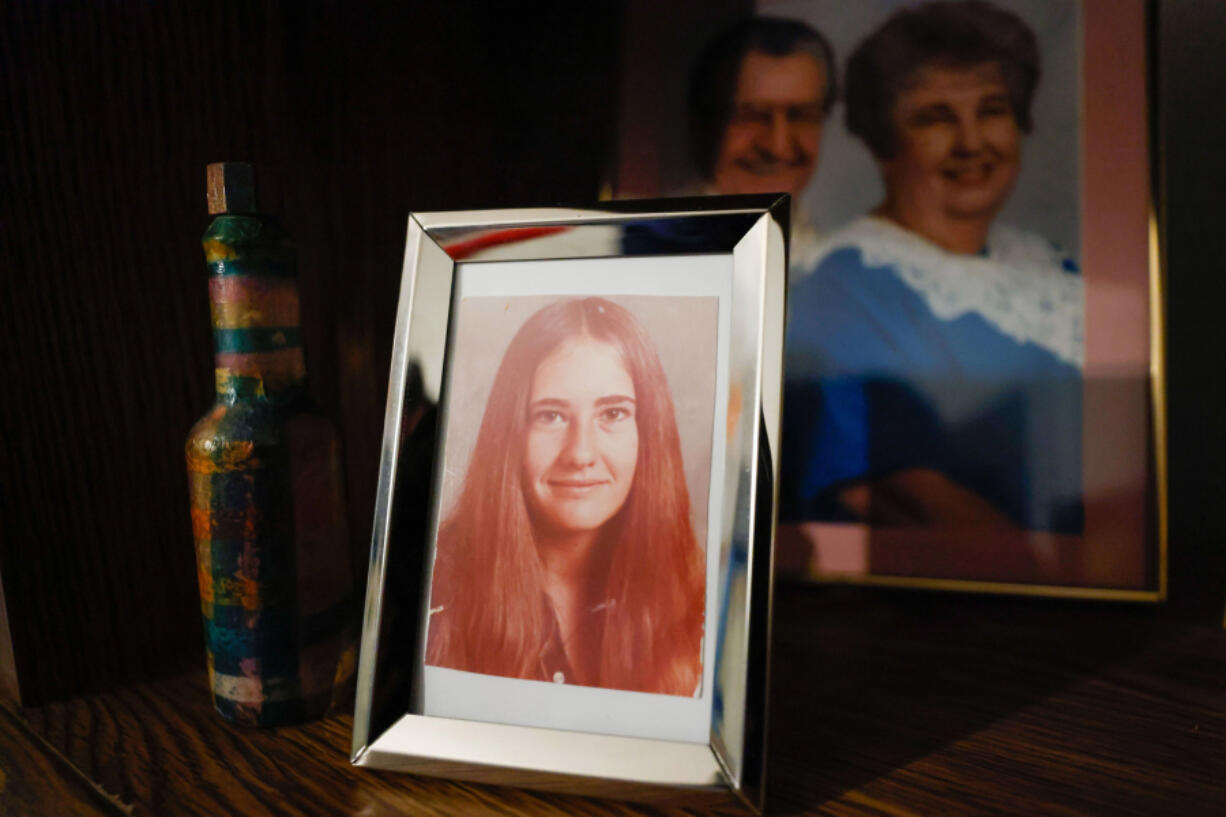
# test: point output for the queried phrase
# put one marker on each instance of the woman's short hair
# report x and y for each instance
(713, 82)
(951, 34)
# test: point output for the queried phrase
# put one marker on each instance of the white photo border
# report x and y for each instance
(451, 693)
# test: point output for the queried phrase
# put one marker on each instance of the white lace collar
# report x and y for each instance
(1019, 285)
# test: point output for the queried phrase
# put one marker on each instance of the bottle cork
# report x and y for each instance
(241, 188)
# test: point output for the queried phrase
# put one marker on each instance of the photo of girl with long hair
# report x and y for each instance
(567, 552)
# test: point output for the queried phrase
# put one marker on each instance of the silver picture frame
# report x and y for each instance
(746, 235)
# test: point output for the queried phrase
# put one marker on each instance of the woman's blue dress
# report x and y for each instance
(901, 355)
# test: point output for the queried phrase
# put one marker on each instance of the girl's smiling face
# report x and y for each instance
(582, 437)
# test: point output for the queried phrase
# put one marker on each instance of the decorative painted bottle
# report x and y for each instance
(267, 503)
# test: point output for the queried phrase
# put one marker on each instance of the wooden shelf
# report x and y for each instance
(882, 704)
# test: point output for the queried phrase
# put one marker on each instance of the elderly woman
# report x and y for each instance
(570, 556)
(934, 355)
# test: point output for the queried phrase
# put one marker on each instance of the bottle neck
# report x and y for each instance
(257, 336)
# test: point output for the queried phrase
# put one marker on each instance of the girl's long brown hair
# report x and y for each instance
(488, 579)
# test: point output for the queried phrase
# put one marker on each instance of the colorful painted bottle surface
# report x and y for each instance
(267, 500)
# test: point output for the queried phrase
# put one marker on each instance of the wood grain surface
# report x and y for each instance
(882, 704)
(36, 780)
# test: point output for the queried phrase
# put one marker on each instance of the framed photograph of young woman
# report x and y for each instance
(973, 369)
(571, 569)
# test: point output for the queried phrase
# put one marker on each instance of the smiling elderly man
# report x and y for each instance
(757, 102)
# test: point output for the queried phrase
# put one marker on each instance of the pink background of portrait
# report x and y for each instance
(683, 329)
(1119, 545)
(1115, 218)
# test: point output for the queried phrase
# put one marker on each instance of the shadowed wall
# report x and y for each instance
(110, 113)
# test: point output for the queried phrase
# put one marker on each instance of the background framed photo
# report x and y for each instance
(974, 362)
(571, 574)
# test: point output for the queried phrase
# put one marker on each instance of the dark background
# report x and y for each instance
(110, 112)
